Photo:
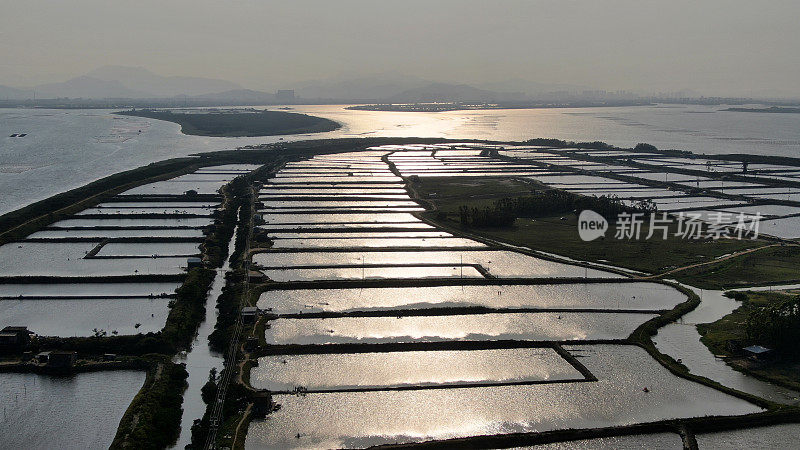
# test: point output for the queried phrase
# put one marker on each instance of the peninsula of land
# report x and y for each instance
(245, 123)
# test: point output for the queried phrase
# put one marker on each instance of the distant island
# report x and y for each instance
(462, 106)
(239, 123)
(771, 109)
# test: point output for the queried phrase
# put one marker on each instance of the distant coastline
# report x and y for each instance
(771, 109)
(464, 106)
(249, 123)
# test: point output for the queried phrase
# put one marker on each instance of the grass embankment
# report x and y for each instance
(559, 234)
(728, 335)
(228, 124)
(154, 416)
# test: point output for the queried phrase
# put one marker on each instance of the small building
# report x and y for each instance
(62, 359)
(109, 357)
(249, 314)
(757, 352)
(43, 357)
(14, 337)
(193, 262)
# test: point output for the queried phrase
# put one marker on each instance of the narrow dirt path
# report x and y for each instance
(715, 261)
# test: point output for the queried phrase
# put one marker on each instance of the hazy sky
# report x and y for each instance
(728, 47)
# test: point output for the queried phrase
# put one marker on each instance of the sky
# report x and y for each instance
(715, 47)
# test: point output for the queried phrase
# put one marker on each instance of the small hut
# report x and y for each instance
(758, 353)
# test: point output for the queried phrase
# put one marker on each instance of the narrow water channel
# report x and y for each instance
(200, 359)
(681, 340)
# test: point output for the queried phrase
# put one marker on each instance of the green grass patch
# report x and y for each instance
(769, 266)
(473, 189)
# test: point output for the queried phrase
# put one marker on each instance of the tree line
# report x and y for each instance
(776, 326)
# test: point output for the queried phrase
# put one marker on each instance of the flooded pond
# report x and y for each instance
(634, 296)
(345, 210)
(338, 204)
(178, 187)
(370, 273)
(773, 437)
(103, 234)
(67, 259)
(340, 218)
(135, 222)
(166, 206)
(114, 210)
(149, 249)
(345, 227)
(87, 289)
(345, 234)
(406, 369)
(334, 420)
(655, 441)
(377, 242)
(342, 179)
(76, 317)
(86, 415)
(468, 327)
(497, 262)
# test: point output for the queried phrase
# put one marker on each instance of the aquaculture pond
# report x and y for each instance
(494, 320)
(497, 262)
(633, 296)
(335, 420)
(336, 218)
(87, 290)
(376, 242)
(655, 441)
(100, 234)
(347, 227)
(86, 414)
(773, 437)
(367, 273)
(160, 249)
(81, 317)
(550, 326)
(67, 259)
(443, 368)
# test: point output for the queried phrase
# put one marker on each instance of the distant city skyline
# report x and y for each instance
(715, 47)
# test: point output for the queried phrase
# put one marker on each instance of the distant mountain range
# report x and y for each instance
(120, 82)
(10, 93)
(88, 87)
(123, 82)
(152, 85)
